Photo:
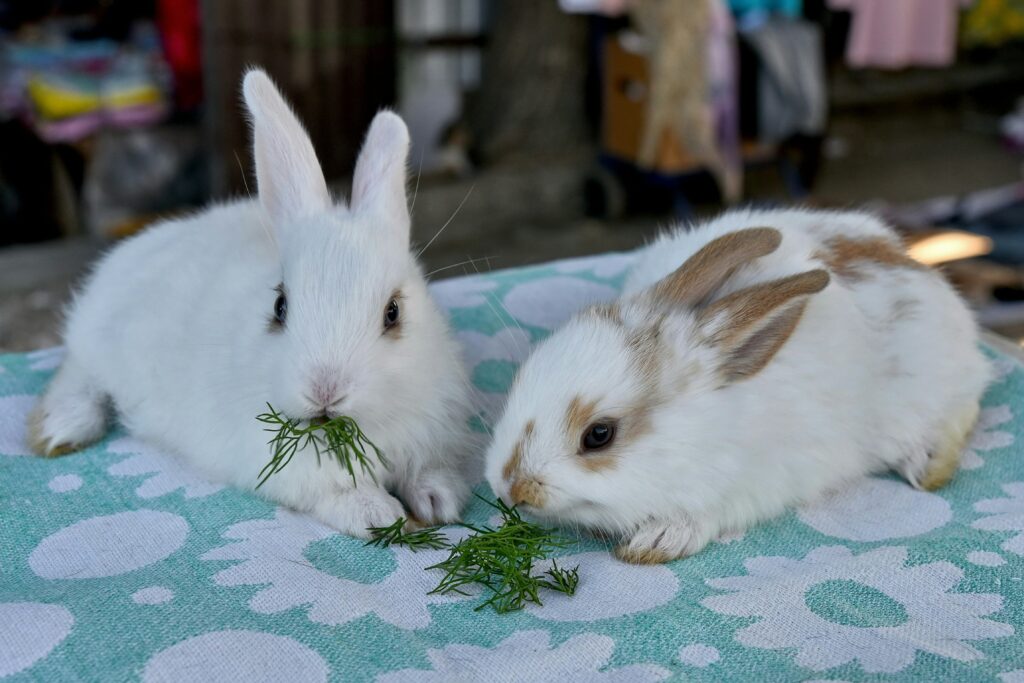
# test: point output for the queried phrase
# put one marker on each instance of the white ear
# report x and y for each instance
(288, 174)
(378, 184)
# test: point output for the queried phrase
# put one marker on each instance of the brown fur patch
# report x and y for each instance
(944, 460)
(528, 492)
(681, 380)
(634, 423)
(599, 462)
(750, 357)
(579, 415)
(751, 335)
(609, 312)
(704, 272)
(37, 440)
(847, 256)
(749, 306)
(645, 347)
(516, 459)
(902, 309)
(637, 422)
(644, 556)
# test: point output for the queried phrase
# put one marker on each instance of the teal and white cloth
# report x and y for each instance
(119, 564)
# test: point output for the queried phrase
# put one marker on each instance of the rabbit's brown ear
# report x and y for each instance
(749, 327)
(694, 282)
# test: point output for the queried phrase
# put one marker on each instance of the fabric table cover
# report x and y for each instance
(118, 563)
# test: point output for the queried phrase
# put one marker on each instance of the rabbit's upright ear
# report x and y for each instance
(291, 183)
(694, 283)
(378, 185)
(748, 327)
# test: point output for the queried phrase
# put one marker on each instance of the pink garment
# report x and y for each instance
(893, 34)
(723, 86)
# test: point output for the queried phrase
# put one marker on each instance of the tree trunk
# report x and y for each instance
(531, 98)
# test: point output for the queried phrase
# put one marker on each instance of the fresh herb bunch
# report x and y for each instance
(340, 438)
(502, 561)
(430, 538)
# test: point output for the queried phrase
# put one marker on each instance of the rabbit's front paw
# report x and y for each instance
(355, 511)
(660, 540)
(435, 497)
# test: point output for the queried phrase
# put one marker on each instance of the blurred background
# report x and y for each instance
(541, 128)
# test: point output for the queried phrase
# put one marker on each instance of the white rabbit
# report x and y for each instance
(774, 364)
(318, 308)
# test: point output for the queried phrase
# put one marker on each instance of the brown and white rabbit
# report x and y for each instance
(744, 369)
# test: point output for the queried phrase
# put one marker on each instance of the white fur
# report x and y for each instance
(856, 389)
(174, 327)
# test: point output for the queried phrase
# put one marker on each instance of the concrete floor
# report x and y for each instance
(516, 215)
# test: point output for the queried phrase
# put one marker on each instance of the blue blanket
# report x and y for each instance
(118, 563)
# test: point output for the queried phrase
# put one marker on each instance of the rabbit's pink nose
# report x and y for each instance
(325, 393)
(326, 396)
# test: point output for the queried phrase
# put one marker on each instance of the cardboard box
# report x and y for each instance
(626, 87)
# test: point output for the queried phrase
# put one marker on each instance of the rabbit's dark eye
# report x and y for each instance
(598, 435)
(281, 308)
(391, 314)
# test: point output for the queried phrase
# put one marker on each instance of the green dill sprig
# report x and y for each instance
(562, 580)
(429, 538)
(340, 438)
(502, 561)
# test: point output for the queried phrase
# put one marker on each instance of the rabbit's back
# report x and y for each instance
(882, 358)
(178, 307)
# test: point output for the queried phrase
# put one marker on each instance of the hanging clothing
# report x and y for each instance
(791, 93)
(791, 8)
(723, 73)
(894, 34)
(607, 8)
(693, 86)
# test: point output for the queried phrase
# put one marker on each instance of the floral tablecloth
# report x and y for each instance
(120, 564)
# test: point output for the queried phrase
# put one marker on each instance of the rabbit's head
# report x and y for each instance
(353, 328)
(611, 404)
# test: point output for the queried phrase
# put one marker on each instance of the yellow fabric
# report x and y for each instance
(993, 22)
(133, 97)
(55, 102)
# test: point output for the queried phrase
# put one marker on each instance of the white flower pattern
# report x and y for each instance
(550, 302)
(63, 483)
(1003, 367)
(699, 655)
(511, 344)
(109, 545)
(525, 657)
(168, 474)
(45, 360)
(1005, 514)
(462, 292)
(249, 656)
(270, 551)
(604, 266)
(936, 620)
(30, 631)
(13, 434)
(608, 588)
(875, 509)
(986, 437)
